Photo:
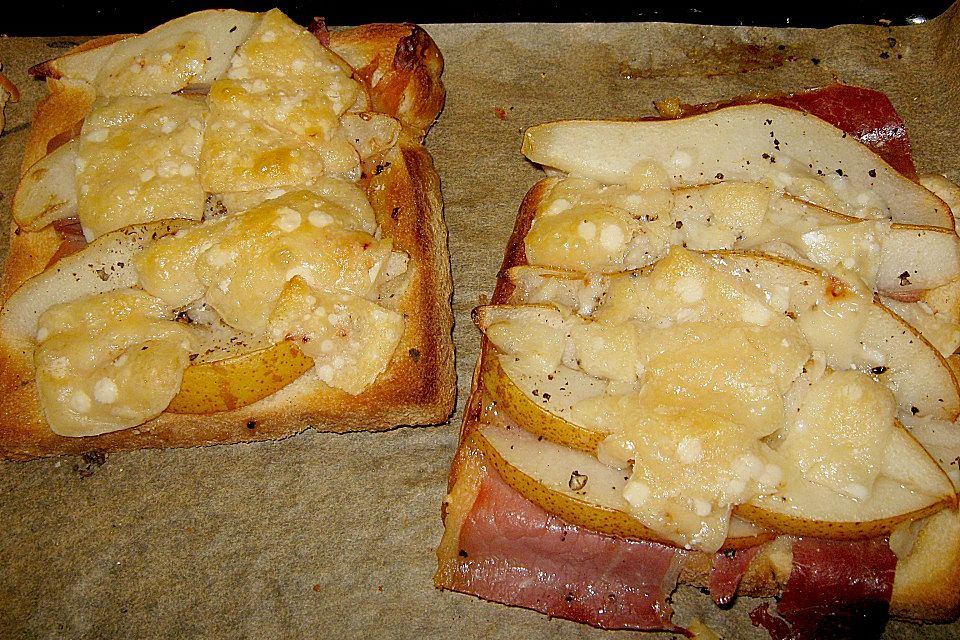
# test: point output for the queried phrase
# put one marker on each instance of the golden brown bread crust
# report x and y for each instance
(927, 582)
(419, 385)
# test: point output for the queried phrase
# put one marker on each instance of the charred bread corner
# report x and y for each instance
(719, 353)
(227, 229)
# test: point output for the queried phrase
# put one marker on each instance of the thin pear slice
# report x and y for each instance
(917, 258)
(905, 257)
(938, 329)
(803, 508)
(539, 405)
(911, 367)
(103, 265)
(750, 143)
(47, 192)
(240, 380)
(218, 32)
(575, 486)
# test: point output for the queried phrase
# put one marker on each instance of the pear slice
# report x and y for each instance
(47, 192)
(810, 158)
(910, 365)
(103, 265)
(539, 404)
(576, 487)
(239, 380)
(803, 508)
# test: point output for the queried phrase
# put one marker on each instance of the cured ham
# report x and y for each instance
(512, 551)
(837, 589)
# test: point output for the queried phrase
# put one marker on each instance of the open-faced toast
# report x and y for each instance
(719, 354)
(227, 229)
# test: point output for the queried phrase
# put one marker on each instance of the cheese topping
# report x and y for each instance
(350, 339)
(711, 397)
(288, 245)
(137, 162)
(274, 116)
(240, 263)
(98, 352)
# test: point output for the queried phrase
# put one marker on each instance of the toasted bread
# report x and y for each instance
(925, 584)
(401, 80)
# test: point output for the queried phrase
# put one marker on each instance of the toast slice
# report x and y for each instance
(533, 534)
(358, 114)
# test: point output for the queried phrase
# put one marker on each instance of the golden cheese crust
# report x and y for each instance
(927, 581)
(419, 383)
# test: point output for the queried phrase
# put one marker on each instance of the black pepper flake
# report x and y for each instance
(546, 396)
(904, 278)
(395, 213)
(839, 172)
(414, 355)
(233, 28)
(462, 553)
(251, 424)
(719, 176)
(878, 370)
(884, 55)
(679, 224)
(730, 553)
(872, 173)
(577, 481)
(914, 410)
(815, 61)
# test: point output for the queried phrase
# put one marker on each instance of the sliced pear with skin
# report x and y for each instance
(930, 256)
(939, 330)
(47, 192)
(748, 143)
(576, 487)
(103, 265)
(240, 380)
(803, 508)
(537, 404)
(911, 366)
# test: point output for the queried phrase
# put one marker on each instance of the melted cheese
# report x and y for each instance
(96, 354)
(137, 162)
(274, 115)
(240, 263)
(842, 429)
(350, 339)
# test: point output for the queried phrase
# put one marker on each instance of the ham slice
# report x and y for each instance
(514, 552)
(727, 572)
(837, 589)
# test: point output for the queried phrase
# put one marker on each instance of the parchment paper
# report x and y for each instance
(326, 535)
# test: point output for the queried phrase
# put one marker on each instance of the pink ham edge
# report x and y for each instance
(727, 572)
(514, 552)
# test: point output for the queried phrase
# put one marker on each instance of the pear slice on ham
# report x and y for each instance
(48, 190)
(876, 339)
(810, 158)
(577, 487)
